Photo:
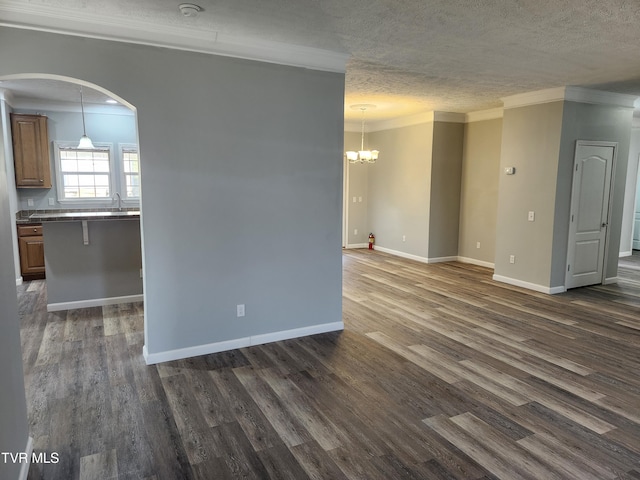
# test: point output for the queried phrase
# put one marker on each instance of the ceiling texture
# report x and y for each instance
(405, 56)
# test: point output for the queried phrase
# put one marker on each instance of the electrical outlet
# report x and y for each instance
(360, 199)
(532, 216)
(512, 259)
(477, 244)
(240, 310)
(29, 202)
(52, 202)
(355, 199)
(404, 238)
(355, 231)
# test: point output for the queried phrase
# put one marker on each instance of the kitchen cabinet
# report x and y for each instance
(31, 248)
(31, 150)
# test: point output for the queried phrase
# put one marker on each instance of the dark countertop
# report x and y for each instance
(38, 216)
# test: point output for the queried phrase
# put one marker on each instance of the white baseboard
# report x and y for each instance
(473, 261)
(442, 259)
(94, 302)
(530, 286)
(357, 245)
(24, 470)
(610, 280)
(18, 281)
(178, 354)
(398, 253)
(625, 254)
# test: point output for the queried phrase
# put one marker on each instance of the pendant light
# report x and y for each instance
(85, 142)
(362, 156)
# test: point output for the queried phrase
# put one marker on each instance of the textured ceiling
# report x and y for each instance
(413, 56)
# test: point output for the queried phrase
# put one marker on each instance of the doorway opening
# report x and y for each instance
(93, 257)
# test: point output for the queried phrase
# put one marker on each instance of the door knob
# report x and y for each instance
(605, 225)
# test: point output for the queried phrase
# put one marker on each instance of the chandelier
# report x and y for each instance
(362, 156)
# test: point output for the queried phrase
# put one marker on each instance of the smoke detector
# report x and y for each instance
(189, 9)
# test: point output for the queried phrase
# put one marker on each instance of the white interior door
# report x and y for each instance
(589, 213)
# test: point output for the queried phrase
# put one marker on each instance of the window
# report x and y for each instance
(130, 171)
(83, 174)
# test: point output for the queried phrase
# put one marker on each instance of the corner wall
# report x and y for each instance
(531, 144)
(444, 202)
(358, 189)
(400, 188)
(479, 190)
(14, 431)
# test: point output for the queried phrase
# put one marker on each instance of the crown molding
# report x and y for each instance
(450, 117)
(66, 107)
(482, 115)
(401, 122)
(122, 29)
(570, 94)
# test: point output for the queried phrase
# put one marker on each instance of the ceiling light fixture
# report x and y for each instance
(85, 142)
(362, 156)
(189, 9)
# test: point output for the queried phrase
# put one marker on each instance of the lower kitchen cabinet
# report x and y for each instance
(31, 247)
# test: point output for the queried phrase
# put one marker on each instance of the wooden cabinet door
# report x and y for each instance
(31, 150)
(31, 256)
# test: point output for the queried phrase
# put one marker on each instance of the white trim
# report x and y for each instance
(18, 281)
(357, 245)
(610, 280)
(398, 253)
(125, 29)
(24, 470)
(530, 286)
(483, 115)
(94, 302)
(408, 121)
(450, 117)
(570, 94)
(442, 259)
(625, 254)
(180, 353)
(599, 97)
(473, 261)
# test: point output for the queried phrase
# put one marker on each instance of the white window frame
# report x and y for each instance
(57, 145)
(123, 180)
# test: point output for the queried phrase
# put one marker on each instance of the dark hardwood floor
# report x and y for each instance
(441, 373)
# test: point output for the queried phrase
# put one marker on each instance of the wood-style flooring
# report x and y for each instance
(440, 373)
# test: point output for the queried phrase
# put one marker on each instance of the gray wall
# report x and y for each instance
(444, 203)
(67, 126)
(13, 406)
(108, 267)
(531, 144)
(400, 188)
(597, 123)
(479, 195)
(358, 186)
(241, 183)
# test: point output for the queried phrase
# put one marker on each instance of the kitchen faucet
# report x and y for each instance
(117, 194)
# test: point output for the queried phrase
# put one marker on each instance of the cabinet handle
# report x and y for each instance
(41, 180)
(35, 229)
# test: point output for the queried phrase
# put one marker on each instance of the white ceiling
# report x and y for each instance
(406, 56)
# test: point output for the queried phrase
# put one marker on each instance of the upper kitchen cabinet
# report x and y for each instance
(31, 150)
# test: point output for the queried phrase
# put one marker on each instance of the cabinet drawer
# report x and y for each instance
(29, 230)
